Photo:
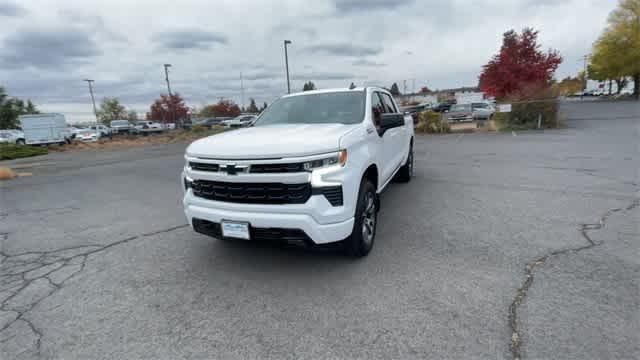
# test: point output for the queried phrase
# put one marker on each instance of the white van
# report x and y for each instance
(42, 129)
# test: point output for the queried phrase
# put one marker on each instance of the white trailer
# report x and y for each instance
(40, 129)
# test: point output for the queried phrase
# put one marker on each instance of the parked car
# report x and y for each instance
(309, 171)
(42, 129)
(211, 122)
(441, 107)
(460, 112)
(170, 126)
(144, 125)
(482, 111)
(12, 137)
(87, 135)
(120, 127)
(414, 110)
(239, 121)
(103, 130)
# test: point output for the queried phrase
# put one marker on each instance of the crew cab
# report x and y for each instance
(309, 170)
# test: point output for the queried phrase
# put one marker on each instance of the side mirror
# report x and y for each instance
(390, 121)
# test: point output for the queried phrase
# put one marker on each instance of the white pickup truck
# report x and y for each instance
(308, 171)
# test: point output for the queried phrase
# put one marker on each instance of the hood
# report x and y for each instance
(272, 141)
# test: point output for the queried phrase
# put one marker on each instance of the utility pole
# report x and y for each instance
(286, 64)
(241, 90)
(166, 76)
(413, 86)
(404, 87)
(93, 101)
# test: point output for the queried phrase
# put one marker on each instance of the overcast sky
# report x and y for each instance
(48, 47)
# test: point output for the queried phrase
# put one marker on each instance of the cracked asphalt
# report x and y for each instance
(503, 246)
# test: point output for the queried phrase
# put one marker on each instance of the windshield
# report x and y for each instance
(118, 122)
(338, 107)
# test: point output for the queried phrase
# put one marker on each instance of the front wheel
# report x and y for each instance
(20, 142)
(406, 171)
(360, 242)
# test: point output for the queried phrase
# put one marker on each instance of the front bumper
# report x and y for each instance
(269, 216)
(322, 221)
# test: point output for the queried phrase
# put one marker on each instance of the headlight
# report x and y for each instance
(337, 158)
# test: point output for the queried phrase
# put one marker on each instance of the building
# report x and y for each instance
(420, 98)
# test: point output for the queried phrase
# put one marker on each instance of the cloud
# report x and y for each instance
(344, 50)
(365, 62)
(351, 6)
(47, 49)
(262, 75)
(10, 9)
(322, 76)
(190, 39)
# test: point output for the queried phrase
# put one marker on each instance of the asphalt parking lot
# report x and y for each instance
(503, 245)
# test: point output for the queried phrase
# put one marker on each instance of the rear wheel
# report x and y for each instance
(20, 142)
(364, 227)
(406, 171)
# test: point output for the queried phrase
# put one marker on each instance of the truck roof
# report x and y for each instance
(334, 90)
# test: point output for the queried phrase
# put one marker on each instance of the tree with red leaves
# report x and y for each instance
(224, 108)
(425, 90)
(519, 65)
(168, 109)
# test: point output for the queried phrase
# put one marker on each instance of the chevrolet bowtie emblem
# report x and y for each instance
(231, 169)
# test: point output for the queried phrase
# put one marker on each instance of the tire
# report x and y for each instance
(406, 171)
(363, 235)
(20, 142)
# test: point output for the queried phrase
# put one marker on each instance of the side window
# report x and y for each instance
(377, 108)
(389, 106)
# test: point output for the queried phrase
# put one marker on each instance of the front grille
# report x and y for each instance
(252, 193)
(332, 193)
(256, 233)
(276, 168)
(204, 166)
(254, 168)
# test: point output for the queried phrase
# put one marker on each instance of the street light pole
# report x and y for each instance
(286, 64)
(93, 101)
(584, 84)
(166, 76)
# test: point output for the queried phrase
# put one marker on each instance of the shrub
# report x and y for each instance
(13, 151)
(431, 122)
(199, 128)
(528, 105)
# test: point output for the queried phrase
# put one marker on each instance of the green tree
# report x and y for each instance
(11, 108)
(253, 108)
(309, 85)
(568, 86)
(132, 116)
(616, 54)
(394, 90)
(111, 109)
